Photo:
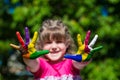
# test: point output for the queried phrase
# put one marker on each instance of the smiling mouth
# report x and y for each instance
(54, 52)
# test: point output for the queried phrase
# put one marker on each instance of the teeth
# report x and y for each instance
(54, 53)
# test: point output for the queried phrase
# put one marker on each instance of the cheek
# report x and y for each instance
(46, 47)
(64, 47)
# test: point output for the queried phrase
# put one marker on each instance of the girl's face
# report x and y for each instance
(57, 49)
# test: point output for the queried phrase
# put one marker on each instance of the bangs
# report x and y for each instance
(56, 35)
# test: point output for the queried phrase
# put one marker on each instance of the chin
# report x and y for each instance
(54, 59)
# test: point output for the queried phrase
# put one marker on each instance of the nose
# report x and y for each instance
(54, 49)
(54, 46)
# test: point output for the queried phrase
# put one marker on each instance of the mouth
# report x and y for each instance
(54, 52)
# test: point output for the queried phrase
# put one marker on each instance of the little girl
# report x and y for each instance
(54, 37)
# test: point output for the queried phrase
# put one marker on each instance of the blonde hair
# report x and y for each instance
(56, 30)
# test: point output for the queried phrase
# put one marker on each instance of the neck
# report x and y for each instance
(57, 61)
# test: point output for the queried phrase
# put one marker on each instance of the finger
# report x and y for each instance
(95, 49)
(84, 56)
(34, 38)
(88, 57)
(27, 36)
(81, 49)
(77, 58)
(79, 41)
(93, 41)
(20, 39)
(27, 56)
(38, 54)
(90, 48)
(87, 50)
(92, 52)
(80, 45)
(87, 37)
(15, 46)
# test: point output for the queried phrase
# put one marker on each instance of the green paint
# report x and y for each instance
(92, 52)
(38, 53)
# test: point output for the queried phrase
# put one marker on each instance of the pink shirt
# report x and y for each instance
(61, 71)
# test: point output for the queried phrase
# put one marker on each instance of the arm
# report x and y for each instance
(80, 65)
(32, 64)
(29, 53)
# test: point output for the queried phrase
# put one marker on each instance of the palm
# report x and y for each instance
(27, 47)
(85, 51)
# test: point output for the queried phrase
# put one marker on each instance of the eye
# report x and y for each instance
(60, 41)
(48, 42)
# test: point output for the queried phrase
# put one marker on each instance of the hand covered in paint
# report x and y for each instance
(85, 51)
(27, 48)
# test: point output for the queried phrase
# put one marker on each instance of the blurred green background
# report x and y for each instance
(102, 17)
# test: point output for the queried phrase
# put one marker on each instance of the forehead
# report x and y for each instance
(53, 35)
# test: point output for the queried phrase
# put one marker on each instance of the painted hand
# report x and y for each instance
(85, 51)
(27, 48)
